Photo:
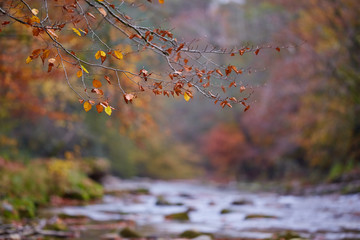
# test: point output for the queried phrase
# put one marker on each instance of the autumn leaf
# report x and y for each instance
(102, 11)
(219, 72)
(118, 55)
(99, 108)
(87, 106)
(76, 31)
(128, 97)
(186, 97)
(34, 11)
(91, 15)
(257, 51)
(107, 79)
(52, 33)
(161, 1)
(96, 83)
(277, 49)
(34, 19)
(85, 70)
(100, 54)
(28, 60)
(79, 73)
(108, 110)
(97, 91)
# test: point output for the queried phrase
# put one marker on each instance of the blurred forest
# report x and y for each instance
(304, 117)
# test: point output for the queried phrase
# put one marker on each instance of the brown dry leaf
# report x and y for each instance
(52, 33)
(102, 11)
(91, 15)
(128, 97)
(34, 11)
(52, 60)
(107, 79)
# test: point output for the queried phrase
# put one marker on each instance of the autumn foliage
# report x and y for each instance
(63, 29)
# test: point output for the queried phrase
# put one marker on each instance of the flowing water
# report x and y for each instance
(313, 217)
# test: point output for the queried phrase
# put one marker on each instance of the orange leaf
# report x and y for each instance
(257, 51)
(277, 49)
(99, 108)
(79, 73)
(96, 83)
(87, 106)
(219, 72)
(161, 1)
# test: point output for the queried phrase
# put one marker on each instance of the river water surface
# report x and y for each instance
(313, 217)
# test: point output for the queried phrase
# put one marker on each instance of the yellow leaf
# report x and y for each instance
(118, 55)
(79, 73)
(186, 97)
(28, 59)
(161, 1)
(85, 70)
(108, 110)
(35, 19)
(34, 11)
(100, 54)
(96, 83)
(76, 31)
(87, 106)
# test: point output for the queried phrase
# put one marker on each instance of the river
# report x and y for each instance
(249, 215)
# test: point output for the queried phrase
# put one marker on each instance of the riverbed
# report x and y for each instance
(225, 212)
